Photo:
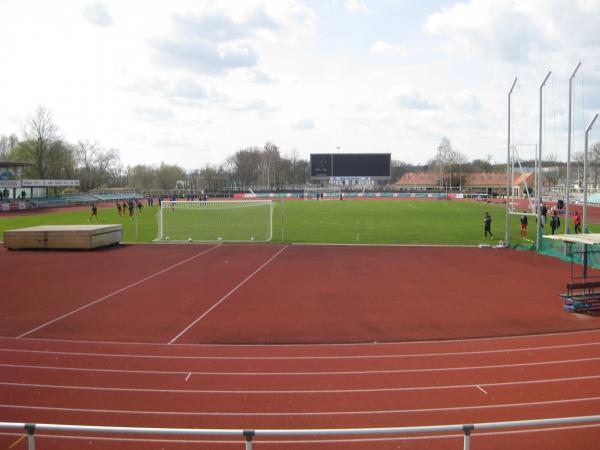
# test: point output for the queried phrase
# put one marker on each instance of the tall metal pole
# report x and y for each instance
(568, 183)
(508, 165)
(539, 181)
(585, 158)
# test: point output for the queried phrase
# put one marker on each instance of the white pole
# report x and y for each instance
(539, 181)
(585, 158)
(568, 182)
(506, 228)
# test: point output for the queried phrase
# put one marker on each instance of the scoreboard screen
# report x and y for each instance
(350, 164)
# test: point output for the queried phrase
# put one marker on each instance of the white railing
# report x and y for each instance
(246, 436)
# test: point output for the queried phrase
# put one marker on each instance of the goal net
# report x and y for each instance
(322, 193)
(226, 220)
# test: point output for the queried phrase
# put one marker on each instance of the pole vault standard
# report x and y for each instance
(585, 158)
(539, 181)
(508, 168)
(568, 183)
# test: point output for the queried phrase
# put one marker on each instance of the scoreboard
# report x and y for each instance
(373, 165)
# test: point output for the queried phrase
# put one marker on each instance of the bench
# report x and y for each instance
(582, 296)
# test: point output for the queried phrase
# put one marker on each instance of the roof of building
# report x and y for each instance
(14, 164)
(480, 179)
(485, 179)
(419, 179)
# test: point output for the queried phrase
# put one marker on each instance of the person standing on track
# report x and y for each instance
(487, 225)
(543, 214)
(577, 222)
(119, 208)
(524, 225)
(555, 223)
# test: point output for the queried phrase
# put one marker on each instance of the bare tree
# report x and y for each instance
(244, 167)
(168, 175)
(95, 166)
(40, 133)
(7, 143)
(141, 177)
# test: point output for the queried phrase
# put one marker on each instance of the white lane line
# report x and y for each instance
(300, 358)
(292, 373)
(320, 346)
(300, 391)
(307, 413)
(226, 296)
(118, 291)
(188, 376)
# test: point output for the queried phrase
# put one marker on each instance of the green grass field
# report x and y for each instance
(345, 222)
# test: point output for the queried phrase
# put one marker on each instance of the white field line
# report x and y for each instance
(478, 434)
(160, 272)
(305, 413)
(315, 357)
(226, 296)
(301, 391)
(298, 373)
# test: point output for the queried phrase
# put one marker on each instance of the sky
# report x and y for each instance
(191, 82)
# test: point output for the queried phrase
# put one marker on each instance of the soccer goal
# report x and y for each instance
(226, 220)
(322, 193)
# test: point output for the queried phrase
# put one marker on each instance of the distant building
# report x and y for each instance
(475, 183)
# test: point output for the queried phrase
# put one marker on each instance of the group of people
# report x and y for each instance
(5, 195)
(554, 222)
(129, 206)
(124, 209)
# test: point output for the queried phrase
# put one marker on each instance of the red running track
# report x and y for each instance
(56, 364)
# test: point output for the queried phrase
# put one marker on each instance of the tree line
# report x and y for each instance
(257, 168)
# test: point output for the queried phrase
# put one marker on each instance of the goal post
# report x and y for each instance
(221, 220)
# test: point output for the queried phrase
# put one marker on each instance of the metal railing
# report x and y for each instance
(246, 436)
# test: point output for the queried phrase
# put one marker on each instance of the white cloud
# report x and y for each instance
(97, 14)
(356, 6)
(514, 31)
(304, 124)
(410, 98)
(153, 113)
(386, 49)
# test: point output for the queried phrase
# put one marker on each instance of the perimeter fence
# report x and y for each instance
(247, 436)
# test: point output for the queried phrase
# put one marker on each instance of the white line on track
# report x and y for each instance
(314, 357)
(309, 441)
(318, 345)
(307, 413)
(226, 296)
(301, 391)
(297, 373)
(160, 272)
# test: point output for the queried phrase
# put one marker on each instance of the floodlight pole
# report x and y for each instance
(508, 166)
(585, 158)
(568, 182)
(539, 181)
